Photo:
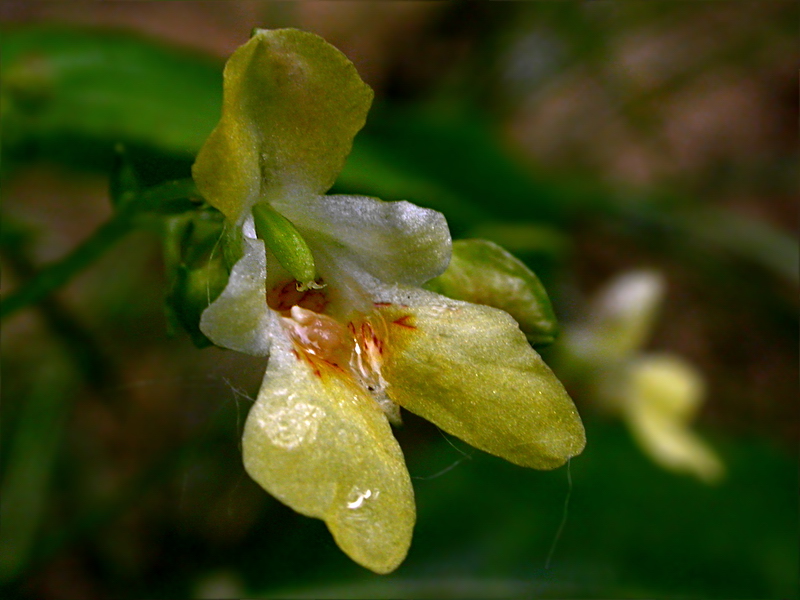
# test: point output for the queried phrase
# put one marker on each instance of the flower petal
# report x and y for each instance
(623, 313)
(662, 395)
(391, 241)
(320, 444)
(239, 317)
(292, 104)
(469, 369)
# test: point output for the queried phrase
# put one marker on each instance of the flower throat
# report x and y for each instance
(353, 351)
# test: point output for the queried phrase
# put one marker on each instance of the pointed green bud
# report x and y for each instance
(482, 272)
(287, 244)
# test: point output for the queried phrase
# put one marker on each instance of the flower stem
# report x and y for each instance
(164, 198)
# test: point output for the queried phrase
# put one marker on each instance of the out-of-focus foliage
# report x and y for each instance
(131, 485)
(62, 87)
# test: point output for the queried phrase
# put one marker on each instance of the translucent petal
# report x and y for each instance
(623, 313)
(292, 104)
(239, 317)
(482, 272)
(320, 444)
(662, 395)
(391, 241)
(469, 369)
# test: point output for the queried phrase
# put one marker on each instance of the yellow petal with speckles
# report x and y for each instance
(292, 104)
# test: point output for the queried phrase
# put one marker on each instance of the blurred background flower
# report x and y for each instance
(587, 138)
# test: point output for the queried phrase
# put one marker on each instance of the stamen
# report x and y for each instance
(310, 285)
(355, 350)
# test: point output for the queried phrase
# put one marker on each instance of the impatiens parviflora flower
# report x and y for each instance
(329, 287)
(657, 394)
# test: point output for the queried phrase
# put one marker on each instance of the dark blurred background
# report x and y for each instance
(589, 138)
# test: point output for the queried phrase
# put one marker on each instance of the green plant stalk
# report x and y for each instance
(97, 369)
(159, 198)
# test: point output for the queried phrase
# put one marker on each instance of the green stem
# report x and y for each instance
(79, 343)
(162, 198)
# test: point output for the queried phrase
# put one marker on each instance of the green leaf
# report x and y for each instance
(123, 184)
(482, 272)
(63, 86)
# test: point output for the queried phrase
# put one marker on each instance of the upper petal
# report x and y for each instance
(238, 319)
(469, 369)
(292, 104)
(320, 444)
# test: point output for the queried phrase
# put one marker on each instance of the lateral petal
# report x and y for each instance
(239, 317)
(391, 241)
(321, 445)
(662, 395)
(292, 104)
(469, 370)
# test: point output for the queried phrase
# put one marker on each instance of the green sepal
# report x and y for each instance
(482, 272)
(231, 242)
(196, 270)
(286, 243)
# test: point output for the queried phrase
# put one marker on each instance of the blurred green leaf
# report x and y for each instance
(33, 450)
(124, 183)
(62, 84)
(753, 240)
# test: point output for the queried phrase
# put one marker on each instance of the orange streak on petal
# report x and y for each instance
(403, 322)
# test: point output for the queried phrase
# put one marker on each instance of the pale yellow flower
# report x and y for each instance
(334, 298)
(657, 394)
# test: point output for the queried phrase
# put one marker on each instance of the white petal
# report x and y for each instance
(239, 317)
(395, 242)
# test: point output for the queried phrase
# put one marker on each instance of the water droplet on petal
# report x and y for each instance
(290, 426)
